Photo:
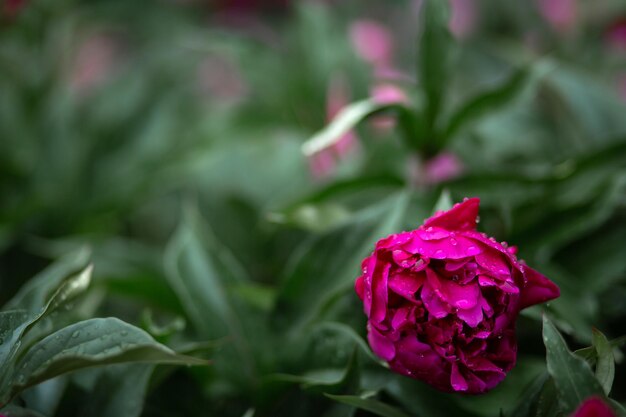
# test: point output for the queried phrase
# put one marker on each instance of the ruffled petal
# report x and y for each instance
(457, 380)
(382, 346)
(461, 216)
(538, 289)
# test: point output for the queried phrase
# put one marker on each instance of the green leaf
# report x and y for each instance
(367, 404)
(435, 53)
(89, 343)
(325, 380)
(119, 392)
(345, 120)
(444, 202)
(349, 117)
(572, 376)
(487, 101)
(328, 264)
(351, 334)
(605, 364)
(15, 411)
(37, 292)
(198, 269)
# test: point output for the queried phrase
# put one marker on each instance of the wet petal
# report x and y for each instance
(594, 407)
(453, 247)
(380, 277)
(432, 233)
(457, 380)
(382, 346)
(460, 296)
(406, 284)
(538, 289)
(460, 217)
(472, 316)
(494, 262)
(433, 303)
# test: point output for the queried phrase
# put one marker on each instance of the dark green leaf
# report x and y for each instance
(367, 404)
(486, 102)
(90, 343)
(119, 392)
(605, 364)
(434, 50)
(572, 376)
(37, 293)
(15, 411)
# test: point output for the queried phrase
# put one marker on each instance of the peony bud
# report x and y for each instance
(442, 302)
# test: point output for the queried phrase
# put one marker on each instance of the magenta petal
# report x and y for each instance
(460, 296)
(381, 346)
(594, 407)
(453, 247)
(456, 379)
(538, 289)
(432, 233)
(433, 303)
(472, 316)
(406, 285)
(494, 262)
(380, 277)
(460, 217)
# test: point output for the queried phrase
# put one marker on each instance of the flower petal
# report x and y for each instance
(382, 346)
(538, 289)
(472, 316)
(456, 379)
(406, 284)
(594, 407)
(460, 217)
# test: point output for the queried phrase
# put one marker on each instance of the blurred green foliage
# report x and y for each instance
(167, 136)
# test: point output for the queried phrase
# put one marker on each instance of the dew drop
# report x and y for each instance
(124, 333)
(76, 334)
(453, 242)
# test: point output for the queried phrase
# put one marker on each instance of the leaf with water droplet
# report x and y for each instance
(73, 348)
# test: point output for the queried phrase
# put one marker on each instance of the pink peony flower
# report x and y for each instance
(96, 59)
(373, 43)
(324, 163)
(616, 35)
(593, 407)
(442, 302)
(463, 17)
(10, 9)
(561, 14)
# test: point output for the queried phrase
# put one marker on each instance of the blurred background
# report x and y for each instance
(167, 136)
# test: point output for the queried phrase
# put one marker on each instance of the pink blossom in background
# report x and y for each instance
(616, 35)
(594, 407)
(324, 163)
(561, 14)
(442, 302)
(10, 9)
(95, 60)
(463, 17)
(219, 77)
(373, 42)
(442, 167)
(387, 93)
